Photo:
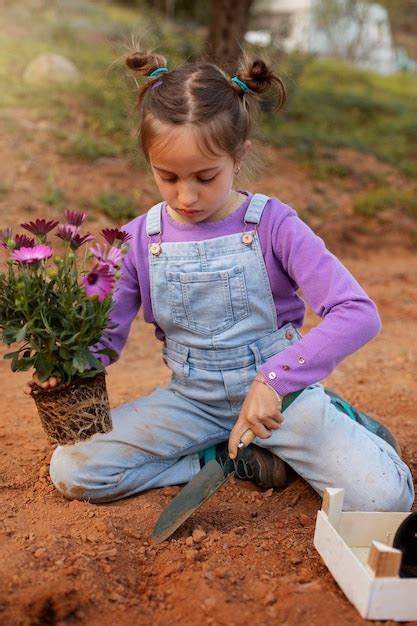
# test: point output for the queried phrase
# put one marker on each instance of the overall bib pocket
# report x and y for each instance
(208, 302)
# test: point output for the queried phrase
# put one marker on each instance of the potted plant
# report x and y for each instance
(55, 307)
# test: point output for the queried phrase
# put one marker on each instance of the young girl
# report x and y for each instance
(217, 272)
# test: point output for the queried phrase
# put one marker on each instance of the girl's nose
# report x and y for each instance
(186, 196)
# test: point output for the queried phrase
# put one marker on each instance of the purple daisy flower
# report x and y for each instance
(67, 231)
(40, 226)
(99, 282)
(29, 256)
(112, 235)
(112, 256)
(71, 233)
(23, 241)
(79, 240)
(17, 242)
(6, 234)
(75, 218)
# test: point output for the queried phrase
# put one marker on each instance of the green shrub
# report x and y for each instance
(54, 196)
(118, 207)
(374, 202)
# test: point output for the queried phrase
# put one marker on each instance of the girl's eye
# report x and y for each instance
(169, 180)
(206, 181)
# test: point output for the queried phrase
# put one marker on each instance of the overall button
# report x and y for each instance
(155, 249)
(247, 239)
(272, 375)
(289, 334)
(285, 367)
(301, 359)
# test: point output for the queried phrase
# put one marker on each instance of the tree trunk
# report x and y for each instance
(228, 24)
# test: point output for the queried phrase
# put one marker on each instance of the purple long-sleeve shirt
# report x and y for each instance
(295, 259)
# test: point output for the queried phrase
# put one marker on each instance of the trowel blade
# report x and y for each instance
(208, 480)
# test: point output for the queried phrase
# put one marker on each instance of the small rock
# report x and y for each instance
(296, 560)
(46, 68)
(116, 597)
(43, 471)
(220, 572)
(269, 493)
(239, 530)
(198, 534)
(304, 519)
(172, 568)
(189, 541)
(108, 554)
(294, 500)
(210, 602)
(191, 555)
(270, 599)
(39, 553)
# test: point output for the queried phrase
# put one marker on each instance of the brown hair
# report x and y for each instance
(202, 95)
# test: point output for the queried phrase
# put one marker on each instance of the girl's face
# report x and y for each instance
(197, 187)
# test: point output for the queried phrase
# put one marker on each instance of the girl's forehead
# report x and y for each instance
(178, 148)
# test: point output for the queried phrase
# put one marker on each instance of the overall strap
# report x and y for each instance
(153, 220)
(256, 206)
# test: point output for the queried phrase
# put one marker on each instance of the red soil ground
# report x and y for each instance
(65, 563)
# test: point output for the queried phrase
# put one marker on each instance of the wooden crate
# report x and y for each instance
(357, 549)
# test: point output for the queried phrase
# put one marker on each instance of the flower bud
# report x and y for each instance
(52, 273)
(124, 248)
(57, 259)
(11, 244)
(117, 275)
(71, 256)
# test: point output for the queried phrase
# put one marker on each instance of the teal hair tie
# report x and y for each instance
(244, 87)
(159, 70)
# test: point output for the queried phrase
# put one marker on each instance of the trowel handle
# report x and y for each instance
(247, 438)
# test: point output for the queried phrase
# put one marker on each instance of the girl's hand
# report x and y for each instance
(260, 412)
(49, 383)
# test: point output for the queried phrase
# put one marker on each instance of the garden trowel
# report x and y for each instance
(208, 480)
(200, 488)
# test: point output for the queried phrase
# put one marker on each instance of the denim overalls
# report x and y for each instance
(214, 303)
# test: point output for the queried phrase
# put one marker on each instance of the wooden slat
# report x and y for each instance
(383, 560)
(332, 505)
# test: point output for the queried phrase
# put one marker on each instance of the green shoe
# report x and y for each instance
(368, 422)
(256, 464)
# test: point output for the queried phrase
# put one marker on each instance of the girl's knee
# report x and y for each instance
(67, 471)
(382, 497)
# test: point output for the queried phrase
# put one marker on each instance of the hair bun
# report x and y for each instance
(144, 63)
(260, 77)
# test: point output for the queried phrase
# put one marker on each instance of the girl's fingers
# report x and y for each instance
(272, 424)
(50, 383)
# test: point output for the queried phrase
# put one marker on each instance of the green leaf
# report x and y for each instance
(21, 334)
(9, 335)
(69, 368)
(88, 374)
(79, 361)
(65, 354)
(109, 352)
(44, 366)
(94, 362)
(11, 355)
(23, 365)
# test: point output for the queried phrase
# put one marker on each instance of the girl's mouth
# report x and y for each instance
(188, 213)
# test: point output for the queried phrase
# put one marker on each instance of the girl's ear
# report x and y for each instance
(244, 149)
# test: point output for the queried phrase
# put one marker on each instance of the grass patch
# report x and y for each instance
(337, 105)
(85, 148)
(117, 206)
(330, 104)
(54, 196)
(375, 202)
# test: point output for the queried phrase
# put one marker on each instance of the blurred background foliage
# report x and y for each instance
(331, 105)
